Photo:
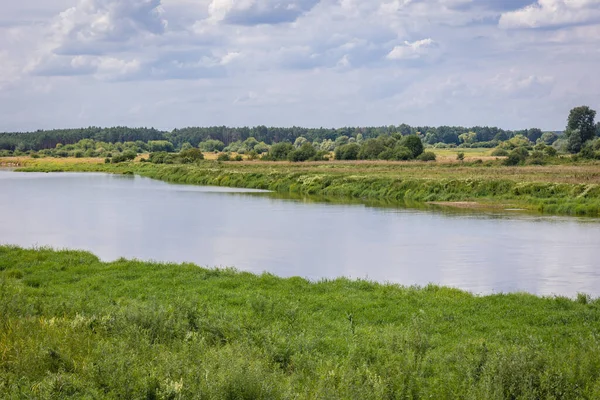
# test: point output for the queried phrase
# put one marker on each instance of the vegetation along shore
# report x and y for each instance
(572, 189)
(72, 326)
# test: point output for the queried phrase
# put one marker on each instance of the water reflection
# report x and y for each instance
(133, 217)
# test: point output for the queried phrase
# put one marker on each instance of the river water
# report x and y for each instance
(133, 217)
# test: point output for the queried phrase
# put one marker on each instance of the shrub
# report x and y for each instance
(414, 144)
(127, 156)
(161, 157)
(347, 152)
(370, 150)
(304, 153)
(550, 151)
(398, 153)
(515, 158)
(280, 151)
(499, 152)
(224, 157)
(191, 156)
(211, 145)
(460, 156)
(427, 156)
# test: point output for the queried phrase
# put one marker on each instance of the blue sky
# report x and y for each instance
(175, 63)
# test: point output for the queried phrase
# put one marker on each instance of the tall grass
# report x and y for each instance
(72, 326)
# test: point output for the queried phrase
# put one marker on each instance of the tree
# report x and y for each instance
(534, 134)
(191, 156)
(371, 149)
(211, 145)
(414, 144)
(469, 137)
(299, 142)
(280, 151)
(575, 141)
(580, 127)
(160, 145)
(347, 152)
(304, 153)
(548, 138)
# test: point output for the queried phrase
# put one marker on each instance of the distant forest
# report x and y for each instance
(48, 139)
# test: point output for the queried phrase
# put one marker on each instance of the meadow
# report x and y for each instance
(566, 188)
(72, 326)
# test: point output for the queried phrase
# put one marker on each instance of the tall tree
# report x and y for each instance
(580, 127)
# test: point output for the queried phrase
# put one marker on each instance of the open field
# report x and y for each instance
(72, 326)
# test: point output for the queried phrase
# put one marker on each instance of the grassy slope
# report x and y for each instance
(73, 326)
(561, 189)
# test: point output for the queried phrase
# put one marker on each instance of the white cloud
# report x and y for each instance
(552, 13)
(303, 62)
(254, 12)
(412, 50)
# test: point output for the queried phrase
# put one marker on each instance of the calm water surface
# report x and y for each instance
(133, 217)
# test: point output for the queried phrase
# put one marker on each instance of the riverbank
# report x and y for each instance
(71, 325)
(555, 189)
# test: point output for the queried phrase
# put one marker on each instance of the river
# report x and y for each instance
(134, 217)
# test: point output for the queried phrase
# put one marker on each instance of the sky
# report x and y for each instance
(514, 64)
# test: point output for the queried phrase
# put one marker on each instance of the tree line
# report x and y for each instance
(449, 135)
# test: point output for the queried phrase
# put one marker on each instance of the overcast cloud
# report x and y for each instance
(175, 63)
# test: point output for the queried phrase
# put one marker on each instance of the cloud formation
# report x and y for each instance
(255, 12)
(172, 63)
(414, 50)
(552, 14)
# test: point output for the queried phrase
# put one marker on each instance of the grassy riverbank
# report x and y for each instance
(71, 325)
(572, 189)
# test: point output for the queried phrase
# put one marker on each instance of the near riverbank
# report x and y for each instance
(71, 325)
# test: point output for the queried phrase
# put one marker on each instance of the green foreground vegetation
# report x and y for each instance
(72, 326)
(572, 189)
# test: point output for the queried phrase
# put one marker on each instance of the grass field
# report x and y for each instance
(74, 327)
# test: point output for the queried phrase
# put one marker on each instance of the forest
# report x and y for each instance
(48, 139)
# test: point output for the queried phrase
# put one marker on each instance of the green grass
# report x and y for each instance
(555, 189)
(72, 326)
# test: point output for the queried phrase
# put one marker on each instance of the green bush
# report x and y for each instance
(427, 156)
(224, 157)
(500, 152)
(304, 153)
(347, 152)
(279, 151)
(191, 156)
(414, 144)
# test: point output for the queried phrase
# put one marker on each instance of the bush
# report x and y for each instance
(370, 150)
(191, 156)
(499, 152)
(161, 157)
(280, 151)
(460, 156)
(224, 157)
(304, 153)
(398, 153)
(347, 152)
(127, 156)
(414, 144)
(550, 151)
(427, 156)
(211, 145)
(515, 157)
(238, 157)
